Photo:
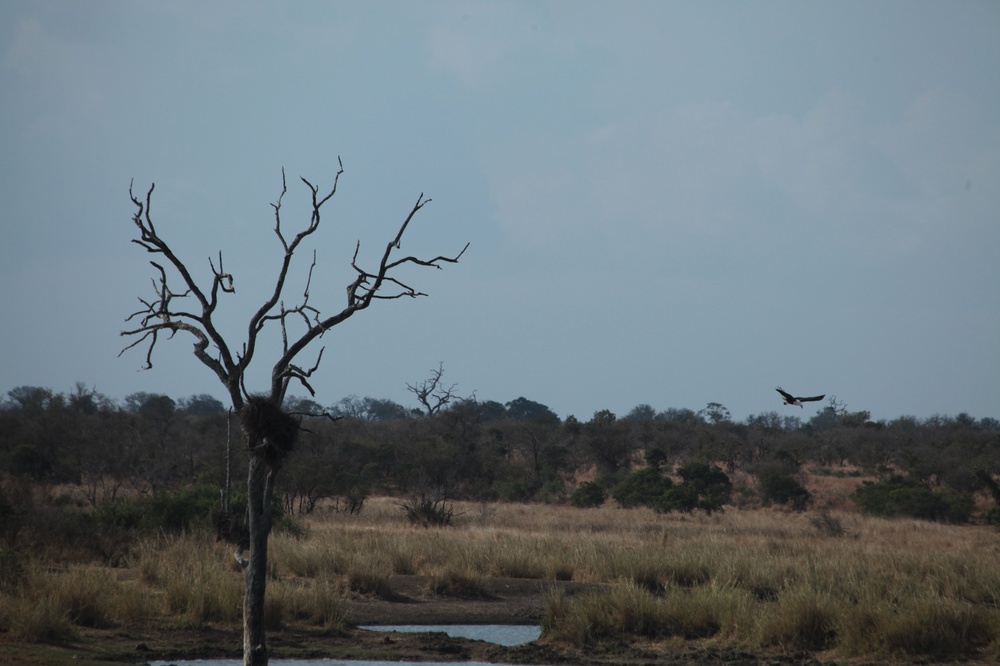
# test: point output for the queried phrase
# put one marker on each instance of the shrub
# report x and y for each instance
(172, 512)
(703, 487)
(899, 496)
(777, 487)
(429, 512)
(554, 491)
(643, 488)
(993, 516)
(176, 512)
(655, 457)
(517, 489)
(960, 506)
(827, 525)
(588, 495)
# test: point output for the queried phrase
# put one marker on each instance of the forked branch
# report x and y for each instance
(163, 312)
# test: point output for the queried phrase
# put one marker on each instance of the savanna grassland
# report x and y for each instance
(613, 586)
(659, 537)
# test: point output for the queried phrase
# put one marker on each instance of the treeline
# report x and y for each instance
(150, 444)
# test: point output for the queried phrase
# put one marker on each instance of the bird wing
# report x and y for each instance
(813, 399)
(788, 396)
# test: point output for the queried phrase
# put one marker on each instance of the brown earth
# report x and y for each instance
(491, 601)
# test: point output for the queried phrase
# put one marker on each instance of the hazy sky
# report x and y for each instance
(670, 203)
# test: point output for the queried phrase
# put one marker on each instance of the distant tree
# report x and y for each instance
(431, 393)
(703, 486)
(89, 401)
(715, 413)
(791, 423)
(964, 420)
(270, 432)
(491, 410)
(825, 419)
(202, 405)
(31, 400)
(989, 424)
(134, 401)
(522, 409)
(685, 416)
(609, 441)
(302, 406)
(856, 419)
(369, 409)
(766, 421)
(382, 409)
(655, 457)
(641, 413)
(158, 407)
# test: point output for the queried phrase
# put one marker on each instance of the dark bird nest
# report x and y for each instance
(269, 430)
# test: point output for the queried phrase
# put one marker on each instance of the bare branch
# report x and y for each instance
(277, 210)
(263, 313)
(223, 280)
(431, 393)
(162, 314)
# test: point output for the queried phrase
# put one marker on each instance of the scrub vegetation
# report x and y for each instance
(849, 541)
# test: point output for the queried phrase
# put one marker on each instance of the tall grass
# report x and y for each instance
(756, 579)
(198, 580)
(50, 604)
(762, 579)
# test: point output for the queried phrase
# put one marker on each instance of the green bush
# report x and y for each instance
(899, 496)
(960, 506)
(643, 488)
(588, 494)
(777, 487)
(171, 512)
(703, 486)
(517, 489)
(993, 516)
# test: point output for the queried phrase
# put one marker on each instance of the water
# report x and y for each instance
(494, 633)
(317, 662)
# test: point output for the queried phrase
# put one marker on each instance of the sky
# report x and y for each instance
(666, 203)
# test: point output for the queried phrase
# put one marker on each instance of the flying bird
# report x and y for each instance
(792, 400)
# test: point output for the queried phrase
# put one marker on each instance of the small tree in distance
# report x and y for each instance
(269, 430)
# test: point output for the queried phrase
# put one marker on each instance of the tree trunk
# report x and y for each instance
(259, 485)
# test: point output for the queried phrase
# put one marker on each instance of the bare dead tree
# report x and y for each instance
(432, 393)
(269, 432)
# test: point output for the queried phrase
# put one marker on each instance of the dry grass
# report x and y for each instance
(757, 579)
(762, 579)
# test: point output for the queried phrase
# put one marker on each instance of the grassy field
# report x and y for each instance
(835, 584)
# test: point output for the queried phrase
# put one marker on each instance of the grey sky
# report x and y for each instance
(670, 203)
